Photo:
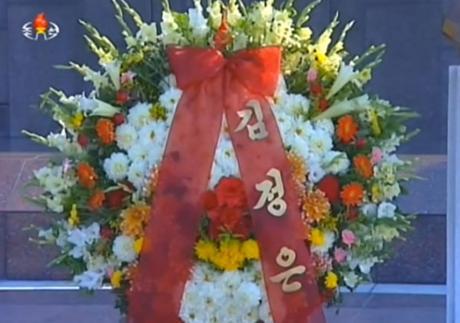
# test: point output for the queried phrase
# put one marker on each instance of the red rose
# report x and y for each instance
(83, 140)
(330, 186)
(352, 214)
(230, 192)
(106, 233)
(118, 119)
(361, 143)
(316, 89)
(122, 97)
(323, 104)
(115, 199)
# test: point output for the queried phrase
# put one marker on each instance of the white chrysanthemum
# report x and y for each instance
(326, 125)
(136, 174)
(390, 192)
(170, 98)
(386, 210)
(116, 167)
(320, 143)
(294, 103)
(153, 134)
(126, 136)
(139, 116)
(315, 172)
(123, 248)
(89, 279)
(139, 152)
(225, 162)
(336, 162)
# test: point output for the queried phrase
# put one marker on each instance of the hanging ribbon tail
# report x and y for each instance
(214, 85)
(168, 254)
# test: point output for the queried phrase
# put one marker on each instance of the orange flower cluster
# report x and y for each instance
(352, 194)
(105, 131)
(363, 166)
(87, 176)
(347, 129)
(134, 220)
(316, 206)
(96, 201)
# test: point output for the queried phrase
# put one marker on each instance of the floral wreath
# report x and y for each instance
(340, 143)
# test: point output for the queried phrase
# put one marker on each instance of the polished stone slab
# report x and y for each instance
(25, 259)
(420, 258)
(3, 66)
(58, 307)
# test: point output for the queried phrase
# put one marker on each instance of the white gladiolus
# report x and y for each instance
(346, 75)
(386, 210)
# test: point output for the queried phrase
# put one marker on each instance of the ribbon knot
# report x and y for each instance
(214, 86)
(257, 69)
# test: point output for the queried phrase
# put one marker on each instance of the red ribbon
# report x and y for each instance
(212, 86)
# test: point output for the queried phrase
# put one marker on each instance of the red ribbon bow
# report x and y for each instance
(213, 86)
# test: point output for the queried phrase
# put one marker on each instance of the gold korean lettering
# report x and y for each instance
(286, 259)
(257, 131)
(272, 193)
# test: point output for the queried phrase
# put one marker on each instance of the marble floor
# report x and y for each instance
(73, 307)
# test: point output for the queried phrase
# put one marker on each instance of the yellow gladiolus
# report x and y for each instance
(138, 245)
(74, 219)
(115, 280)
(331, 280)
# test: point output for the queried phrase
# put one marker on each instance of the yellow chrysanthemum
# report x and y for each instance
(376, 193)
(331, 280)
(205, 250)
(138, 245)
(77, 120)
(250, 249)
(318, 238)
(134, 220)
(230, 257)
(74, 219)
(115, 280)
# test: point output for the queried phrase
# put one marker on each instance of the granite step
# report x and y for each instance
(420, 259)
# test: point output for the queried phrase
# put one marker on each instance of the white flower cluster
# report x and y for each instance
(142, 140)
(56, 183)
(310, 140)
(228, 297)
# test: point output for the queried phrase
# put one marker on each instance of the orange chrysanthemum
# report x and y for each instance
(86, 175)
(298, 168)
(347, 129)
(316, 206)
(352, 194)
(363, 166)
(299, 173)
(105, 131)
(134, 220)
(96, 201)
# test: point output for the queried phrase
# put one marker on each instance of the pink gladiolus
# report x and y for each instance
(377, 156)
(340, 255)
(312, 75)
(348, 238)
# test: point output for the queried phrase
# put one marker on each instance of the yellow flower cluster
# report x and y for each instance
(134, 220)
(228, 254)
